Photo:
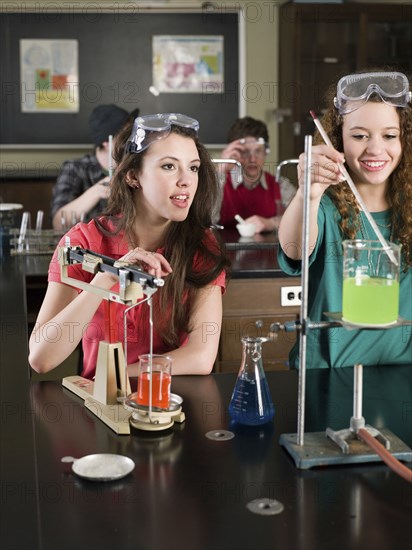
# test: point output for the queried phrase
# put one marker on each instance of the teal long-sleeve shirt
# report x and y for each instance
(342, 347)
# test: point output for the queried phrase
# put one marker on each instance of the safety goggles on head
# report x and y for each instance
(150, 128)
(255, 147)
(354, 90)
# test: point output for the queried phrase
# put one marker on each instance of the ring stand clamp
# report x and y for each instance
(343, 437)
(108, 395)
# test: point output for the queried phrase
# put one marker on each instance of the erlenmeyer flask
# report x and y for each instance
(251, 402)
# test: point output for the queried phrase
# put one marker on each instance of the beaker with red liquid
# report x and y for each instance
(155, 372)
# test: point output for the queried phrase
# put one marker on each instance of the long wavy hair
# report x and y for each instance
(182, 241)
(399, 193)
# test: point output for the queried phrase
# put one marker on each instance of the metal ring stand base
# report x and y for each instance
(320, 450)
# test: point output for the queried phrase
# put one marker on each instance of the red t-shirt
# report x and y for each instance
(249, 202)
(89, 237)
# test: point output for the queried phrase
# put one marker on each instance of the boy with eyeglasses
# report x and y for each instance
(257, 197)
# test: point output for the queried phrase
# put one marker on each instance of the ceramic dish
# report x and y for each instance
(246, 229)
(101, 467)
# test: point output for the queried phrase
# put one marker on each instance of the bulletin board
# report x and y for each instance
(115, 65)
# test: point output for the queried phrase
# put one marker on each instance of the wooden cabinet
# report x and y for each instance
(319, 43)
(245, 302)
(33, 194)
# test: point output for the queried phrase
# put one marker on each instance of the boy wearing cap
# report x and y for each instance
(81, 189)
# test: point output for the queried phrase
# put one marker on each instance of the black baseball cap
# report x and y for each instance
(106, 120)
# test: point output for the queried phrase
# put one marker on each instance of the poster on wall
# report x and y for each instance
(188, 64)
(49, 76)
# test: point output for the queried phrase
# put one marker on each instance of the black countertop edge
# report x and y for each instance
(251, 246)
(243, 268)
(257, 274)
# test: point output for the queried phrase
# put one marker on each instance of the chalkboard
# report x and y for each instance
(115, 66)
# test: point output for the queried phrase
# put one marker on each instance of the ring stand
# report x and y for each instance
(331, 447)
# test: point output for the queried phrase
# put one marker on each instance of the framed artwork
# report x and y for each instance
(188, 64)
(49, 76)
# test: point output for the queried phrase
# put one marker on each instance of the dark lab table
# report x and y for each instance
(188, 492)
(252, 257)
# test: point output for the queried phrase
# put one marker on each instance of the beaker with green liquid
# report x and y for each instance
(370, 294)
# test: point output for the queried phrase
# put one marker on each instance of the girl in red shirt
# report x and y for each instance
(159, 216)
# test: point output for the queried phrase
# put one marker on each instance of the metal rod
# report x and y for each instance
(125, 348)
(150, 358)
(357, 391)
(110, 163)
(304, 301)
(282, 164)
(239, 169)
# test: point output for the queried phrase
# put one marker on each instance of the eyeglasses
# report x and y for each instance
(354, 90)
(149, 128)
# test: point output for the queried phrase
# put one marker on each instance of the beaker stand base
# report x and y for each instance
(319, 450)
(141, 419)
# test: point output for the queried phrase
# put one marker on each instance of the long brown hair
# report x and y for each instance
(182, 241)
(399, 193)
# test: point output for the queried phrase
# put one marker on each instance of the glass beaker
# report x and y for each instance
(159, 369)
(370, 293)
(251, 402)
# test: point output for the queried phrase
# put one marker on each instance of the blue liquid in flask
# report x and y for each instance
(251, 402)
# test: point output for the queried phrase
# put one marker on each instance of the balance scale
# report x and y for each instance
(109, 396)
(330, 447)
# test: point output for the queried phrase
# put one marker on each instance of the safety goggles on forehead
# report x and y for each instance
(255, 141)
(150, 128)
(354, 90)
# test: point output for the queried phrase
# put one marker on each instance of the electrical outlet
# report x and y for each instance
(290, 295)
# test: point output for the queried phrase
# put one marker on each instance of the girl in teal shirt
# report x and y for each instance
(370, 121)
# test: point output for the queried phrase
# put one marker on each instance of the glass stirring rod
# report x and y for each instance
(358, 197)
(110, 153)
